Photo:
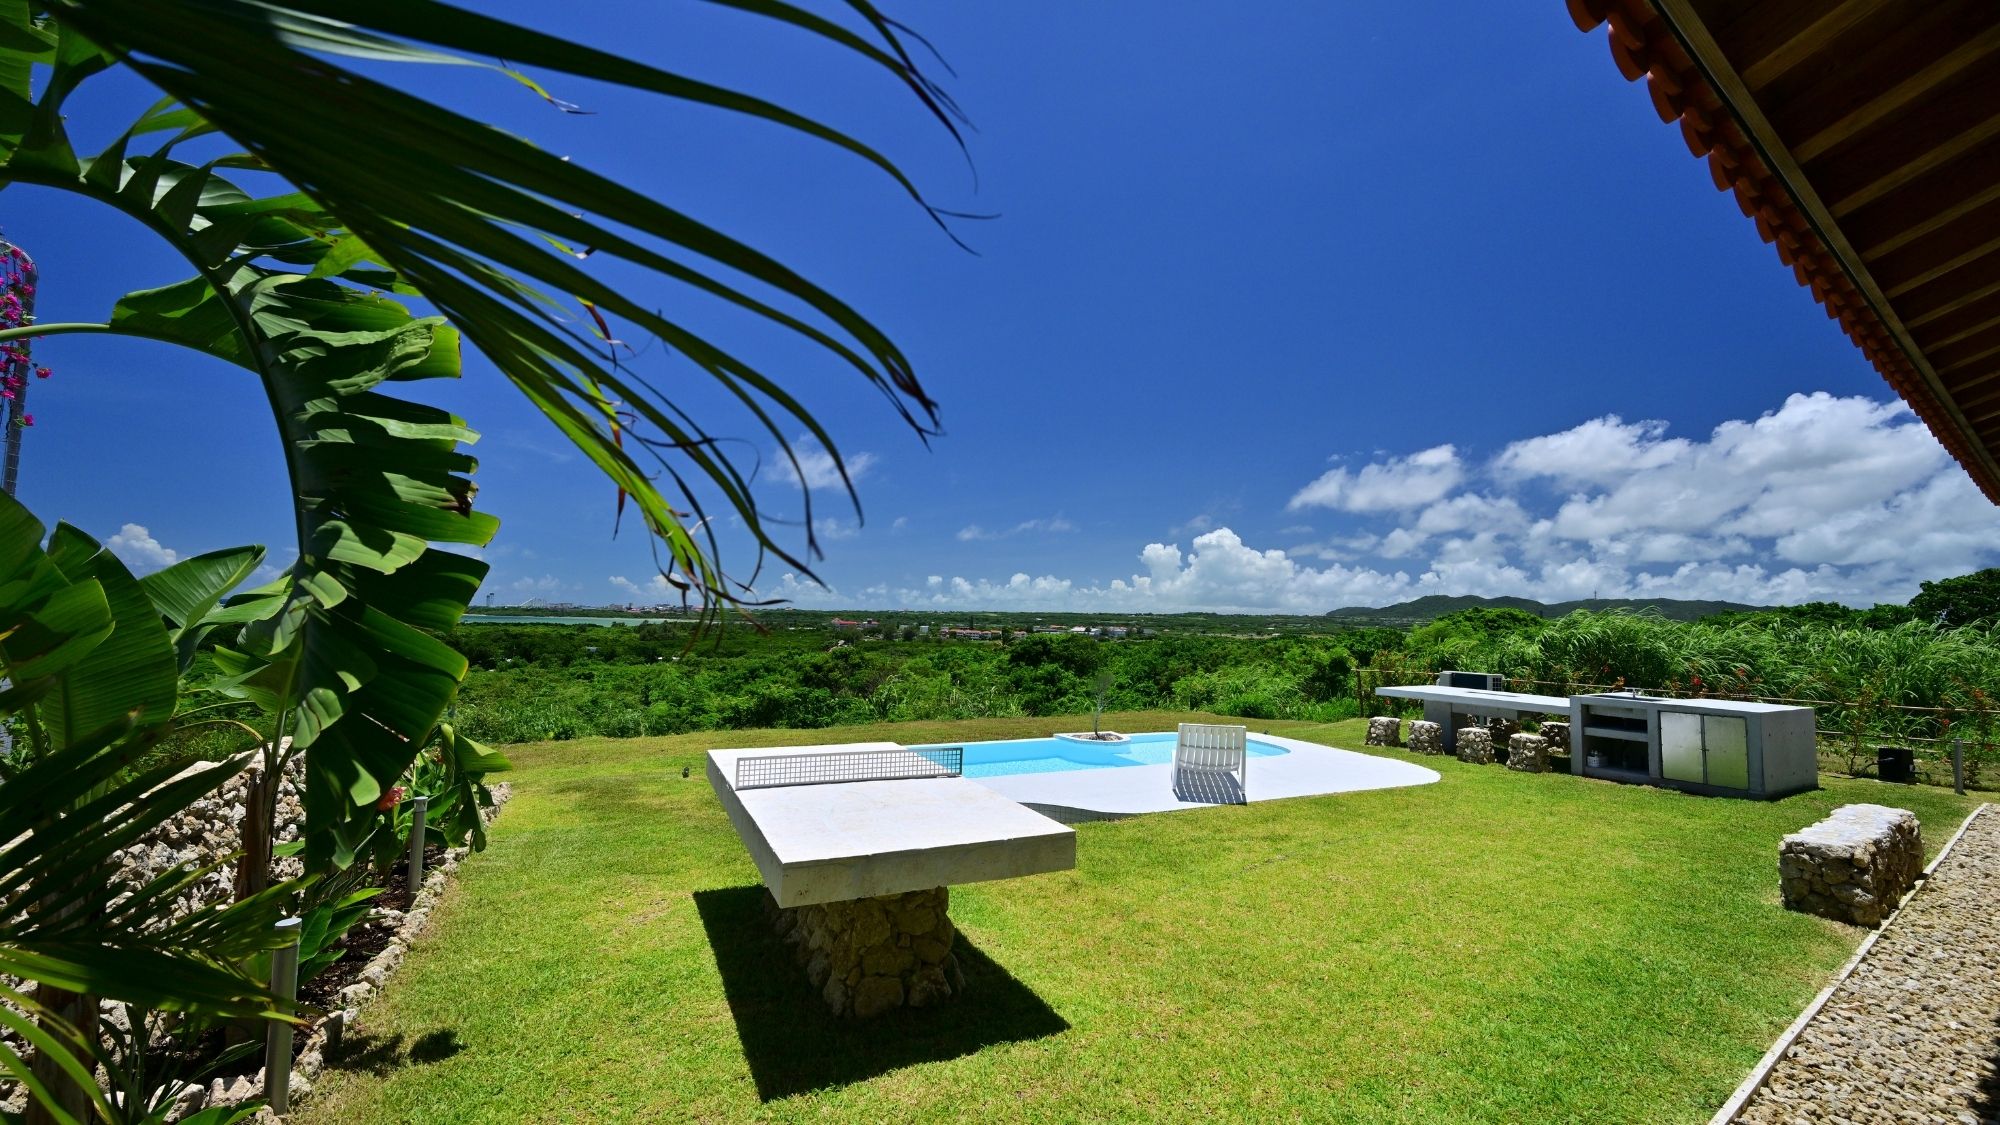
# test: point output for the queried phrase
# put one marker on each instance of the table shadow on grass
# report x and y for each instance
(793, 1044)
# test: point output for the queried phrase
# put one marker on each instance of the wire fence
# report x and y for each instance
(1851, 732)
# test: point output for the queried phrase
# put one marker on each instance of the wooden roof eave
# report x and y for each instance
(1693, 83)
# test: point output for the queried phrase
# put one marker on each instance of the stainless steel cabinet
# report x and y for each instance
(1718, 746)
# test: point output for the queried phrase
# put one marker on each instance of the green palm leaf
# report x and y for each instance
(477, 220)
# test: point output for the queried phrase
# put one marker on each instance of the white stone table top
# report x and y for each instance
(847, 840)
(1480, 697)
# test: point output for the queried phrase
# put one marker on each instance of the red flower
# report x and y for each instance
(390, 799)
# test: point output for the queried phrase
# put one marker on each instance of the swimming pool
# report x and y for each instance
(1050, 755)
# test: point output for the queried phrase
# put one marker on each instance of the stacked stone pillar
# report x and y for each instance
(871, 955)
(1854, 866)
(1528, 753)
(1475, 745)
(1426, 737)
(1557, 736)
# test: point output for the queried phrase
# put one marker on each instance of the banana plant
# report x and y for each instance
(90, 668)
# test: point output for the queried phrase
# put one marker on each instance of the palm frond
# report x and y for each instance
(481, 222)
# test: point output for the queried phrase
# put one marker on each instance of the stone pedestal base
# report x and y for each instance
(1557, 736)
(869, 955)
(1426, 737)
(1854, 866)
(1475, 745)
(1503, 730)
(1384, 730)
(1528, 753)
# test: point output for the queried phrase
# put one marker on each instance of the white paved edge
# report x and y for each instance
(1310, 769)
(1762, 1071)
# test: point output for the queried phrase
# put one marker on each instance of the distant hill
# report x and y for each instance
(1434, 606)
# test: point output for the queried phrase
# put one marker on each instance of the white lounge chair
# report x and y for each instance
(1212, 764)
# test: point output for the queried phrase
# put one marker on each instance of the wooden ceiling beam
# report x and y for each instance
(1970, 360)
(1964, 300)
(1990, 322)
(1937, 220)
(1806, 42)
(1976, 284)
(1956, 261)
(1894, 98)
(1897, 175)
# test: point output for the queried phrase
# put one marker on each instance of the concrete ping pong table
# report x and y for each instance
(857, 845)
(1441, 703)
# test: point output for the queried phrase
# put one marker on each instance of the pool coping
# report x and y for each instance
(1307, 769)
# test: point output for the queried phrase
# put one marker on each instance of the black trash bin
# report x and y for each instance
(1895, 763)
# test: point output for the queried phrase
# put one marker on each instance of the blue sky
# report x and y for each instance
(1286, 308)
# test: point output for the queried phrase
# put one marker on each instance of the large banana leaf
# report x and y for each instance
(132, 673)
(189, 590)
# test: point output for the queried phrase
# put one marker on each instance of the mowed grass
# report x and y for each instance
(1495, 947)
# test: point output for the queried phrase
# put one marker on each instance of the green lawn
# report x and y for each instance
(1495, 947)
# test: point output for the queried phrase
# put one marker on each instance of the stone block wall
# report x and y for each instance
(1475, 744)
(869, 955)
(210, 830)
(1384, 730)
(1557, 736)
(1426, 737)
(1528, 753)
(1854, 866)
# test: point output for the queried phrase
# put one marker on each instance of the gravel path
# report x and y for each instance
(1914, 1033)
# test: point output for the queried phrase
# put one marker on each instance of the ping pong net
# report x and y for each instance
(767, 771)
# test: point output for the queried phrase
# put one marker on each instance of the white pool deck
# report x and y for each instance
(833, 842)
(830, 843)
(1309, 770)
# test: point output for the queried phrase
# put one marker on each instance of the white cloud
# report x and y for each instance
(1599, 451)
(1055, 526)
(1398, 484)
(656, 588)
(901, 523)
(541, 587)
(817, 469)
(139, 550)
(831, 529)
(1195, 526)
(1825, 498)
(1817, 458)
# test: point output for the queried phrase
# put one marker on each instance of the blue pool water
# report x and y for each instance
(1048, 755)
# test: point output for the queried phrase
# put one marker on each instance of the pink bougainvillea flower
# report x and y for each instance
(27, 419)
(41, 372)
